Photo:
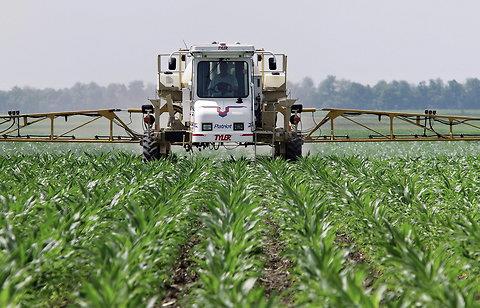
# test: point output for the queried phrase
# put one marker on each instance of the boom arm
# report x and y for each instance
(342, 125)
(400, 126)
(43, 127)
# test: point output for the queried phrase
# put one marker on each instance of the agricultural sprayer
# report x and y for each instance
(233, 95)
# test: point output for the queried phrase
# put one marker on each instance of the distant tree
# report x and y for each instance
(454, 95)
(115, 94)
(379, 93)
(436, 93)
(421, 97)
(327, 92)
(305, 91)
(472, 93)
(136, 89)
(79, 96)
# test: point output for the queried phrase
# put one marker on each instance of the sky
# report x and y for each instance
(56, 43)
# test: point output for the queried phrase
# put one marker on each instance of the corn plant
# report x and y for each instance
(229, 266)
(323, 277)
(358, 228)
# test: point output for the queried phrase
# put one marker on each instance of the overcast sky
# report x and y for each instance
(55, 43)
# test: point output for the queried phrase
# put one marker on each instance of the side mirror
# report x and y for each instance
(272, 64)
(259, 58)
(172, 64)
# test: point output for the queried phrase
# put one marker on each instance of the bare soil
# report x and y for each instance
(355, 256)
(184, 275)
(276, 274)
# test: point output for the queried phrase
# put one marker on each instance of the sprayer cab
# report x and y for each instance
(222, 94)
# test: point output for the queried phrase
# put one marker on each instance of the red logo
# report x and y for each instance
(223, 137)
(225, 112)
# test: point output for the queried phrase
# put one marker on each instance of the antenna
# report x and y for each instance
(186, 47)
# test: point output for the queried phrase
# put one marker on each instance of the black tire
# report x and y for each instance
(277, 150)
(258, 118)
(151, 150)
(293, 148)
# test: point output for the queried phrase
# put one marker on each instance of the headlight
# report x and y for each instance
(207, 126)
(238, 126)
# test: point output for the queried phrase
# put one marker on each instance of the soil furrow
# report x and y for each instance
(184, 275)
(276, 274)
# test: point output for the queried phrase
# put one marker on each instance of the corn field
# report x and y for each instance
(106, 230)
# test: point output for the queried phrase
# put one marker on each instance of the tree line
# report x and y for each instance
(81, 96)
(330, 92)
(432, 94)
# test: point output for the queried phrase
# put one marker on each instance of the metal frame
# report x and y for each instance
(18, 122)
(264, 70)
(11, 126)
(417, 120)
(180, 68)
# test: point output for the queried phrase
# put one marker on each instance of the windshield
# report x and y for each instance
(226, 79)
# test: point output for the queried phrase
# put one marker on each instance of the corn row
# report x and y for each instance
(405, 213)
(104, 229)
(110, 241)
(230, 262)
(321, 272)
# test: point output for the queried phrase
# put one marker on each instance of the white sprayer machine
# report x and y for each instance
(231, 95)
(220, 95)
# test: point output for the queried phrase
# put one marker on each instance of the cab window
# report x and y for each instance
(224, 79)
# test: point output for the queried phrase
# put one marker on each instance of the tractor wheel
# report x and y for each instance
(293, 148)
(151, 149)
(279, 149)
(290, 150)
